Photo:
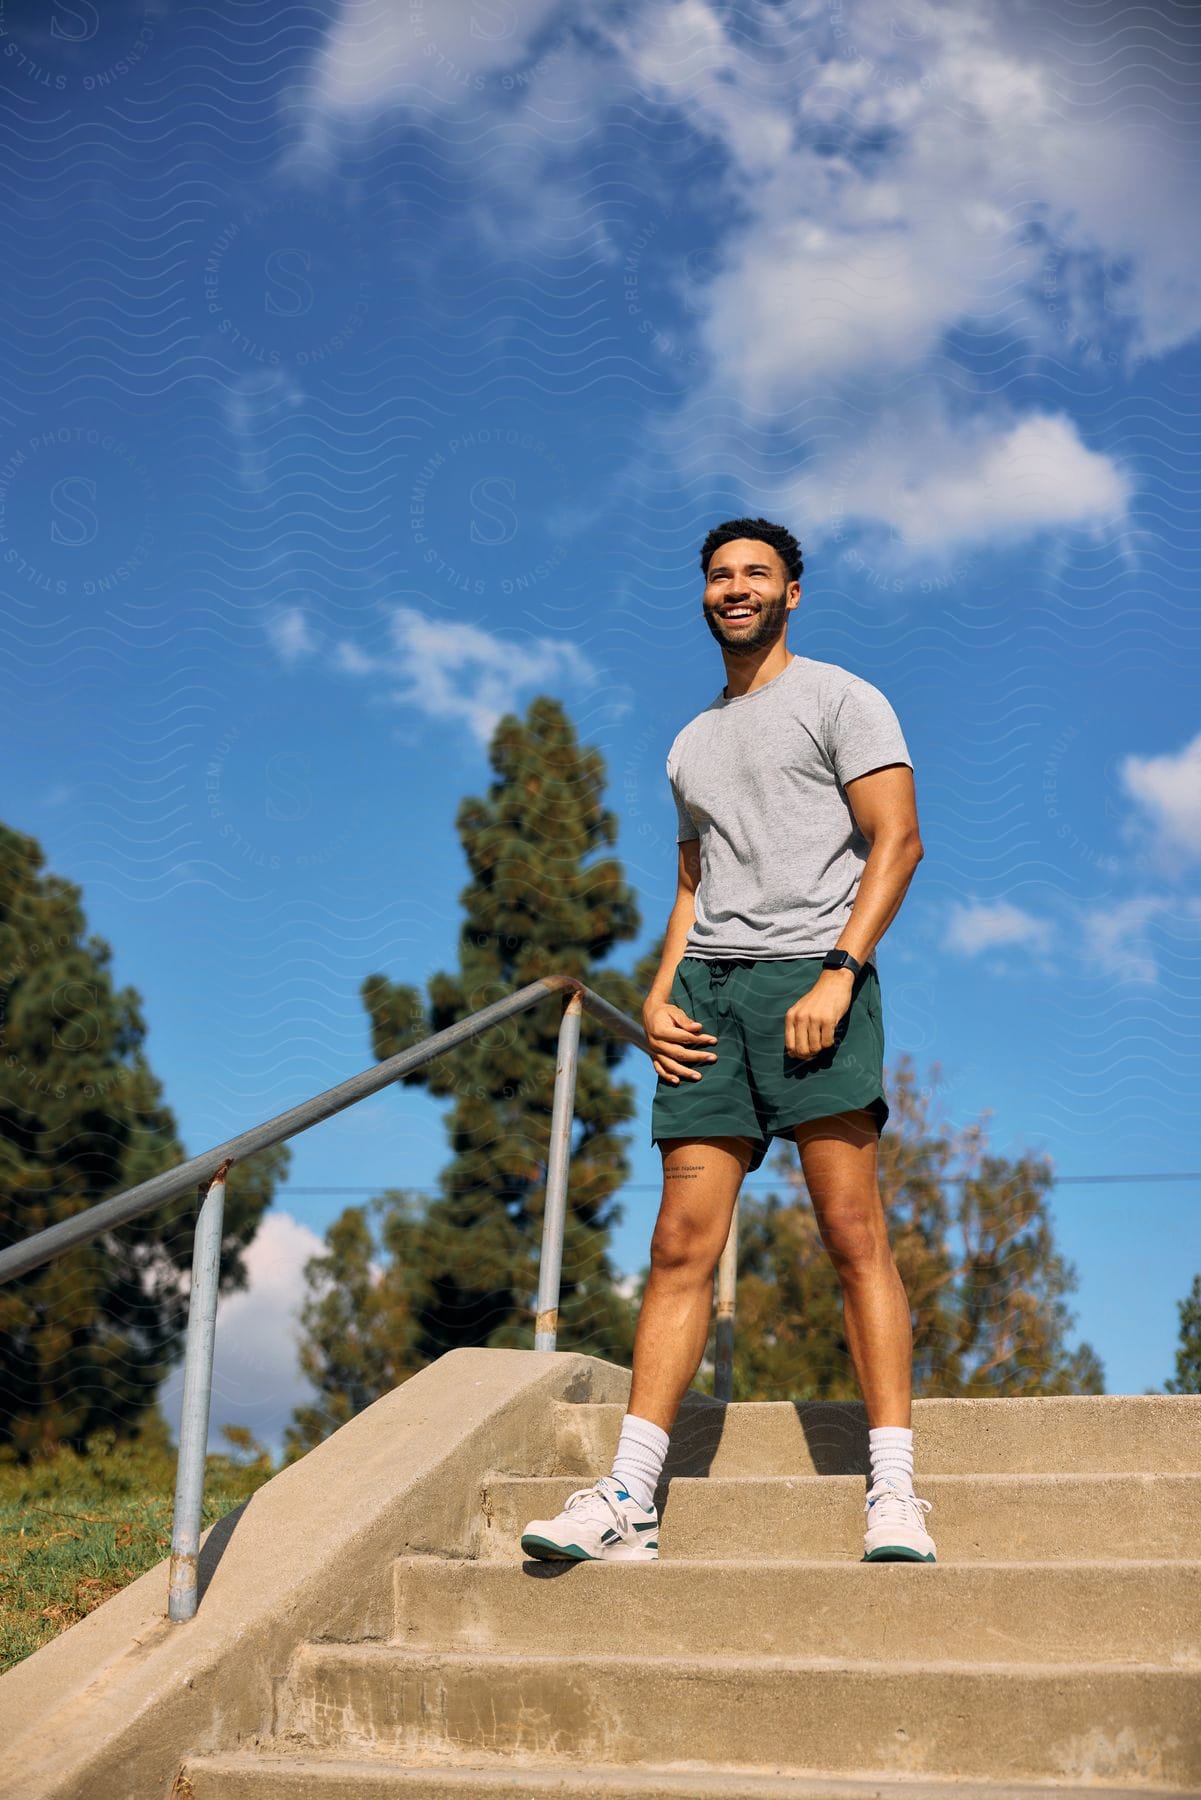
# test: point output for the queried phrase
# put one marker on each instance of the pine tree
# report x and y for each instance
(539, 901)
(983, 1277)
(358, 1318)
(1188, 1352)
(86, 1339)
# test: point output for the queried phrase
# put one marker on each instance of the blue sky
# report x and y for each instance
(371, 370)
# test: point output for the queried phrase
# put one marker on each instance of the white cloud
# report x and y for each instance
(991, 476)
(1167, 790)
(430, 52)
(683, 54)
(884, 164)
(815, 298)
(1111, 131)
(974, 927)
(853, 261)
(1114, 938)
(449, 669)
(909, 177)
(253, 405)
(515, 70)
(443, 668)
(351, 660)
(289, 631)
(257, 1380)
(887, 181)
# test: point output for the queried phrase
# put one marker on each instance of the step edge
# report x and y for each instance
(1189, 1565)
(502, 1478)
(384, 1651)
(954, 1787)
(702, 1406)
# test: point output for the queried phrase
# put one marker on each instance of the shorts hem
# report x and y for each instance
(712, 1131)
(877, 1104)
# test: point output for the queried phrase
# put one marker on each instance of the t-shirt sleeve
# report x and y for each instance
(864, 732)
(686, 829)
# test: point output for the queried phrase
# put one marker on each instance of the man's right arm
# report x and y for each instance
(680, 922)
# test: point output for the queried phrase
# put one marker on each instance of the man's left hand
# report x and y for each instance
(810, 1021)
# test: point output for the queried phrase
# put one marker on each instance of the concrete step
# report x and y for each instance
(1095, 1721)
(1043, 1435)
(1135, 1612)
(1032, 1518)
(312, 1777)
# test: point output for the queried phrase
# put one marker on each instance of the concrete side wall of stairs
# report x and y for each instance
(108, 1710)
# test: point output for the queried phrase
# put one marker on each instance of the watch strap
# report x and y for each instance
(842, 959)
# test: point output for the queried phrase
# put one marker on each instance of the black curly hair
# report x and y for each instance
(778, 536)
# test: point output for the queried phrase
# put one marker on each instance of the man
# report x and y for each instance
(798, 837)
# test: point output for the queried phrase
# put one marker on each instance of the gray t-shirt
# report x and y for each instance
(759, 779)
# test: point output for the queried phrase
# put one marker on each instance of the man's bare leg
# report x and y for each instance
(701, 1178)
(839, 1160)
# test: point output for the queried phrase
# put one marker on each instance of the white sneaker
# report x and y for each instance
(598, 1524)
(896, 1530)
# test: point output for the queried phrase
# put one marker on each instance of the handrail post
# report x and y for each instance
(554, 1217)
(727, 1288)
(197, 1393)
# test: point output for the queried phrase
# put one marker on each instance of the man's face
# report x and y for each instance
(748, 596)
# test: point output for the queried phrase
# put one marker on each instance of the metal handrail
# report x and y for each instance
(211, 1168)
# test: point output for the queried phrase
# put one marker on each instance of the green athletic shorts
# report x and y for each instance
(755, 1088)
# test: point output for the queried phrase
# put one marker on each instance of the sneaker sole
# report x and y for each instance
(895, 1553)
(546, 1551)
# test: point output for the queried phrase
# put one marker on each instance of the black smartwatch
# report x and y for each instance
(842, 959)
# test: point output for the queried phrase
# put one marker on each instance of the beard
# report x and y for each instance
(763, 630)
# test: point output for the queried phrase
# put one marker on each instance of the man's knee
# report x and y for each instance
(681, 1246)
(854, 1239)
(690, 1233)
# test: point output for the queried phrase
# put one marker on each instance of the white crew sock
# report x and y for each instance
(638, 1464)
(891, 1449)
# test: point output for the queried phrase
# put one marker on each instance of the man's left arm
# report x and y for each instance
(885, 808)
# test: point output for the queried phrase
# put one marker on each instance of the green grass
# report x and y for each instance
(76, 1529)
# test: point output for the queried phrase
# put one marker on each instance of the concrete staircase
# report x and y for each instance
(1055, 1648)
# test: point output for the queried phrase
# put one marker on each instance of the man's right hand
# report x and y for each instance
(674, 1039)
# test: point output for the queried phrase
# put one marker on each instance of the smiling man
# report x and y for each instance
(798, 838)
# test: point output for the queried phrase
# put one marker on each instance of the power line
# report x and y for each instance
(649, 1187)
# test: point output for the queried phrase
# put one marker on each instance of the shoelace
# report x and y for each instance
(907, 1501)
(597, 1493)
